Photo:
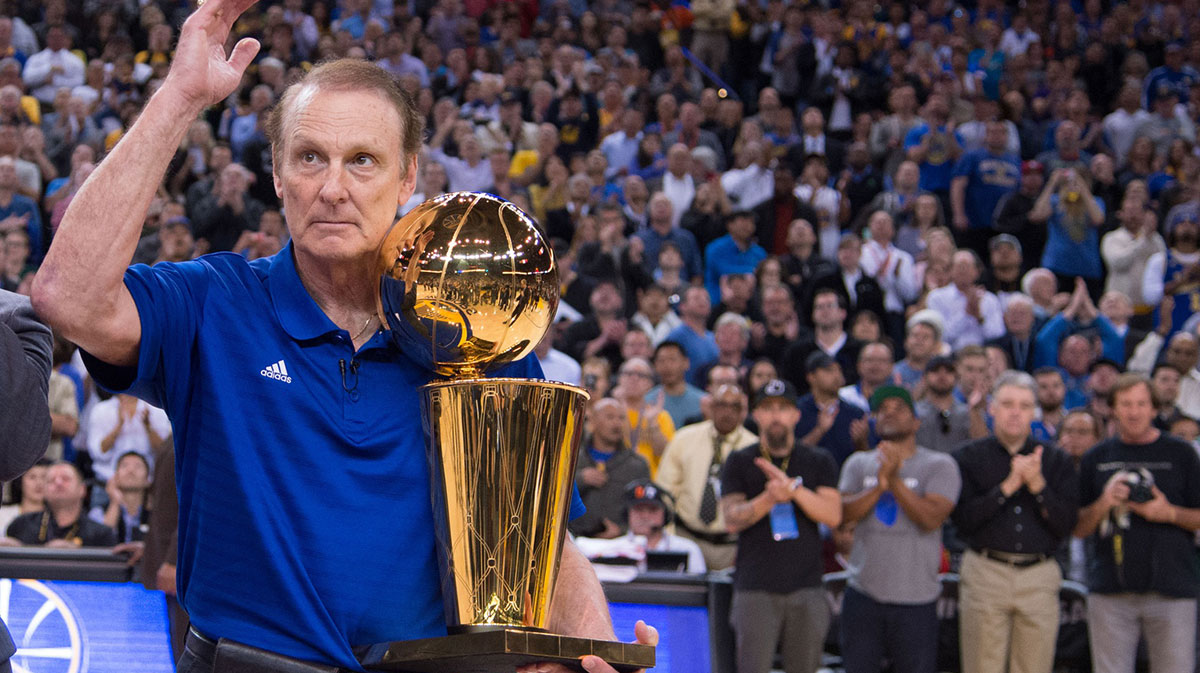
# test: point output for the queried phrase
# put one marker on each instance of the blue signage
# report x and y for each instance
(682, 632)
(86, 627)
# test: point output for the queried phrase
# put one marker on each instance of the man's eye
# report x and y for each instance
(308, 157)
(364, 160)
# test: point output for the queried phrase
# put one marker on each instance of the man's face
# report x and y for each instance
(636, 378)
(1078, 434)
(608, 422)
(1166, 384)
(940, 381)
(1075, 355)
(728, 410)
(1051, 391)
(606, 300)
(1183, 351)
(848, 255)
(875, 364)
(963, 270)
(636, 344)
(653, 302)
(8, 175)
(895, 421)
(827, 312)
(1013, 409)
(1006, 256)
(63, 486)
(341, 174)
(971, 371)
(1133, 410)
(696, 303)
(882, 227)
(132, 473)
(177, 242)
(776, 419)
(646, 518)
(730, 338)
(826, 380)
(997, 137)
(1018, 318)
(741, 228)
(777, 305)
(921, 341)
(670, 365)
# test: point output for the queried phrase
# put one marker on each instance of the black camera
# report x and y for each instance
(1140, 483)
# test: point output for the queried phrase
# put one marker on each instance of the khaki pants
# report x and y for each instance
(1008, 616)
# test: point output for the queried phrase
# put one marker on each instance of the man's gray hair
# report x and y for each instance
(1015, 378)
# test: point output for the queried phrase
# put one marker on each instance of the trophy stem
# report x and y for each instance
(502, 454)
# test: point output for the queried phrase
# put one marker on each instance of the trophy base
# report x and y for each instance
(502, 650)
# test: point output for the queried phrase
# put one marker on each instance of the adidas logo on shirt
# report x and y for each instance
(277, 371)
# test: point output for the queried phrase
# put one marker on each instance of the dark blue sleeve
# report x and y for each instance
(965, 165)
(914, 135)
(169, 299)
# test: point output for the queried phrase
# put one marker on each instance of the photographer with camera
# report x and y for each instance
(1140, 493)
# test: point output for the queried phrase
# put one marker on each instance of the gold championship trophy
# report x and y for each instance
(468, 283)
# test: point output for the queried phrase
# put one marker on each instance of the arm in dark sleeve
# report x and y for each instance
(1059, 501)
(24, 380)
(976, 506)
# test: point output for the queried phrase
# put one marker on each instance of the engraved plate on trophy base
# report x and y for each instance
(502, 650)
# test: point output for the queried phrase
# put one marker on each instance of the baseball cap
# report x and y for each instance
(1002, 239)
(888, 392)
(1105, 362)
(644, 490)
(930, 317)
(818, 359)
(939, 362)
(775, 389)
(1032, 166)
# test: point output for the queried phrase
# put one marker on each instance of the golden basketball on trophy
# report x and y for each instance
(468, 283)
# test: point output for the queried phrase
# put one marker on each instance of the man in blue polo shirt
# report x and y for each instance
(305, 516)
(981, 178)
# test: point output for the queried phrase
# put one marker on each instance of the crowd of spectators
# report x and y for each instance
(837, 197)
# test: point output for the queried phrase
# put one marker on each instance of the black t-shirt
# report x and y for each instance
(764, 564)
(1157, 557)
(28, 528)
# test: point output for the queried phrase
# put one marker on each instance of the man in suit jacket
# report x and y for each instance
(859, 291)
(815, 141)
(1018, 341)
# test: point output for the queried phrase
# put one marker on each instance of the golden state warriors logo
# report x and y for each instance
(43, 628)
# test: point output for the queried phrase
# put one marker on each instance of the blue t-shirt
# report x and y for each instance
(1066, 256)
(723, 257)
(937, 167)
(989, 179)
(305, 520)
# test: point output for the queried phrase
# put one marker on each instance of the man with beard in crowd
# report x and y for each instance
(775, 494)
(899, 495)
(946, 423)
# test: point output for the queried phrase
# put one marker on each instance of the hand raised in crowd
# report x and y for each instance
(860, 431)
(201, 73)
(974, 301)
(779, 485)
(13, 223)
(1166, 308)
(890, 460)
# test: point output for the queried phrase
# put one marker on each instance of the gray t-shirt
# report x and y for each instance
(898, 563)
(943, 431)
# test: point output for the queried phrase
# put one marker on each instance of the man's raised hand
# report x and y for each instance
(201, 73)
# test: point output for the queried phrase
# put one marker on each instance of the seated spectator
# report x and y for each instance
(606, 466)
(661, 229)
(27, 493)
(63, 523)
(127, 513)
(648, 509)
(828, 335)
(1042, 287)
(1018, 341)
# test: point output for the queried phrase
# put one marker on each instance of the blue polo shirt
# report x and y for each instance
(723, 257)
(304, 501)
